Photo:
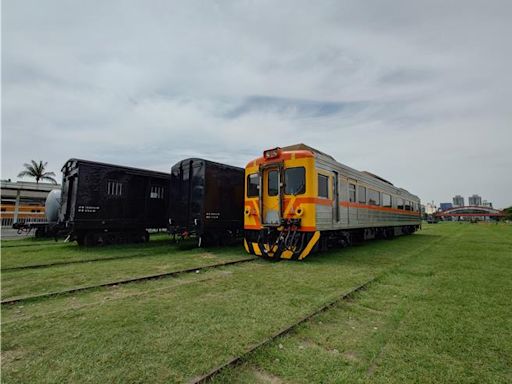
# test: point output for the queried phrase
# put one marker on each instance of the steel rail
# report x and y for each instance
(233, 361)
(59, 263)
(19, 299)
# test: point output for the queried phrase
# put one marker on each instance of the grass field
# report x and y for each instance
(440, 311)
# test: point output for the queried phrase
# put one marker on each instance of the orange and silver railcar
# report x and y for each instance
(299, 200)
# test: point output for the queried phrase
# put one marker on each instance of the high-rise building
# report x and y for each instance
(445, 206)
(458, 201)
(475, 200)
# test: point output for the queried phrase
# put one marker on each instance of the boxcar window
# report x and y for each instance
(352, 193)
(157, 192)
(373, 197)
(400, 203)
(386, 200)
(323, 186)
(295, 181)
(114, 188)
(361, 194)
(273, 188)
(252, 185)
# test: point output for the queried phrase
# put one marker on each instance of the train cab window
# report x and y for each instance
(253, 184)
(273, 186)
(114, 188)
(352, 193)
(323, 186)
(386, 200)
(400, 203)
(295, 181)
(361, 194)
(373, 197)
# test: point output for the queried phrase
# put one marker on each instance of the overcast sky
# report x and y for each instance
(418, 92)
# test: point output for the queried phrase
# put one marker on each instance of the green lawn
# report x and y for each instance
(443, 317)
(157, 259)
(440, 313)
(27, 252)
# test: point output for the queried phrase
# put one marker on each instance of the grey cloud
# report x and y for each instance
(414, 91)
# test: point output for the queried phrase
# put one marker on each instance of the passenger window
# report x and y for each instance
(386, 200)
(407, 205)
(273, 188)
(295, 181)
(400, 203)
(253, 185)
(352, 193)
(361, 194)
(373, 197)
(323, 186)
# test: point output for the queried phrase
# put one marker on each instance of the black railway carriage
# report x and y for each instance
(206, 200)
(105, 203)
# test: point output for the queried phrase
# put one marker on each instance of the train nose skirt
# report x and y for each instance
(296, 248)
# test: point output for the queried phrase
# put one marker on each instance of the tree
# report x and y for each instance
(37, 170)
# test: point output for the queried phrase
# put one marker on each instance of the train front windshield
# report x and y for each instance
(295, 181)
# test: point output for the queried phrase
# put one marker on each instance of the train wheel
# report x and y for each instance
(89, 239)
(80, 239)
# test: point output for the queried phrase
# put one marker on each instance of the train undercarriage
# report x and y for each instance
(289, 242)
(95, 238)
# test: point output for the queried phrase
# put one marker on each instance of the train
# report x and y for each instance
(299, 200)
(46, 226)
(206, 201)
(110, 204)
(286, 204)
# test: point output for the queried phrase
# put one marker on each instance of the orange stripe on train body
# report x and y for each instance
(300, 229)
(305, 200)
(348, 204)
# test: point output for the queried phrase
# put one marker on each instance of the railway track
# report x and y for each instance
(59, 263)
(21, 299)
(233, 361)
(32, 245)
(283, 331)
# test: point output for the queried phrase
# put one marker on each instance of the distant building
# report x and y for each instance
(445, 206)
(487, 204)
(22, 201)
(458, 201)
(475, 201)
(430, 208)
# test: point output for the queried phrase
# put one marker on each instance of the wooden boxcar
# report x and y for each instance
(298, 200)
(105, 203)
(206, 200)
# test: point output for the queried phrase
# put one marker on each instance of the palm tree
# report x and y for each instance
(37, 170)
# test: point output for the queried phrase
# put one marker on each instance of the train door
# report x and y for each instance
(270, 196)
(351, 210)
(70, 196)
(335, 199)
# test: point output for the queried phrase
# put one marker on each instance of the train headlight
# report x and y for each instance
(272, 153)
(247, 211)
(299, 211)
